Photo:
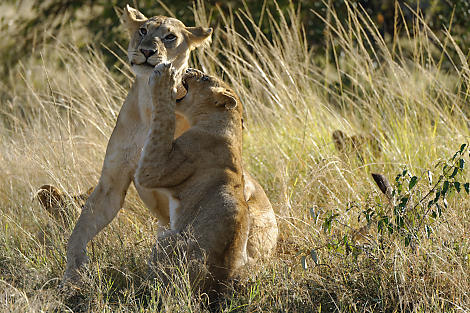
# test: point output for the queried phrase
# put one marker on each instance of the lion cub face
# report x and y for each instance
(160, 38)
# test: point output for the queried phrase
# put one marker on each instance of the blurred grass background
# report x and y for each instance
(397, 71)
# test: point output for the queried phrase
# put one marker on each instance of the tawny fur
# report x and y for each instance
(60, 207)
(56, 202)
(128, 137)
(357, 144)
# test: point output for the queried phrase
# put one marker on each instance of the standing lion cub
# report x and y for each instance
(153, 40)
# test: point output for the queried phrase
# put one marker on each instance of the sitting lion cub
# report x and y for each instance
(356, 144)
(201, 172)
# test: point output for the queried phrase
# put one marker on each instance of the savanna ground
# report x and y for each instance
(343, 246)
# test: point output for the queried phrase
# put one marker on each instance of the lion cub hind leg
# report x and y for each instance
(179, 262)
(263, 233)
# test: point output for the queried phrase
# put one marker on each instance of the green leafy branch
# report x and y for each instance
(414, 202)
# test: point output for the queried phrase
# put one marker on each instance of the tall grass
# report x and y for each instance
(58, 109)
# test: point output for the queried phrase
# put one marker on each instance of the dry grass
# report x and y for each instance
(56, 119)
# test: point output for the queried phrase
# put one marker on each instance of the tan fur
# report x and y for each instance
(132, 126)
(55, 201)
(202, 172)
(60, 207)
(356, 144)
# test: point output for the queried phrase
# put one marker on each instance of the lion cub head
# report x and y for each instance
(160, 38)
(356, 144)
(57, 203)
(208, 95)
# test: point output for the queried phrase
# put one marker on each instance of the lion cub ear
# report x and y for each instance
(132, 19)
(225, 98)
(198, 35)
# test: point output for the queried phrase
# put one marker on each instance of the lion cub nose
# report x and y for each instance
(147, 53)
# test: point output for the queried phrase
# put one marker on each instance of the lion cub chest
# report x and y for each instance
(173, 206)
(161, 203)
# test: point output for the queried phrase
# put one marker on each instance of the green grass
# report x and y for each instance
(59, 106)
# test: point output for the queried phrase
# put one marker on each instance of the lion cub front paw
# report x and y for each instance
(163, 78)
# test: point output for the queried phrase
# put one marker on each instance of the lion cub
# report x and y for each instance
(201, 171)
(60, 208)
(356, 144)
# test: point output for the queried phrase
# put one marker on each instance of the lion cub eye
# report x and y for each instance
(169, 37)
(142, 31)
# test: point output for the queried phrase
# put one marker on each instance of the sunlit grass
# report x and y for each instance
(57, 117)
